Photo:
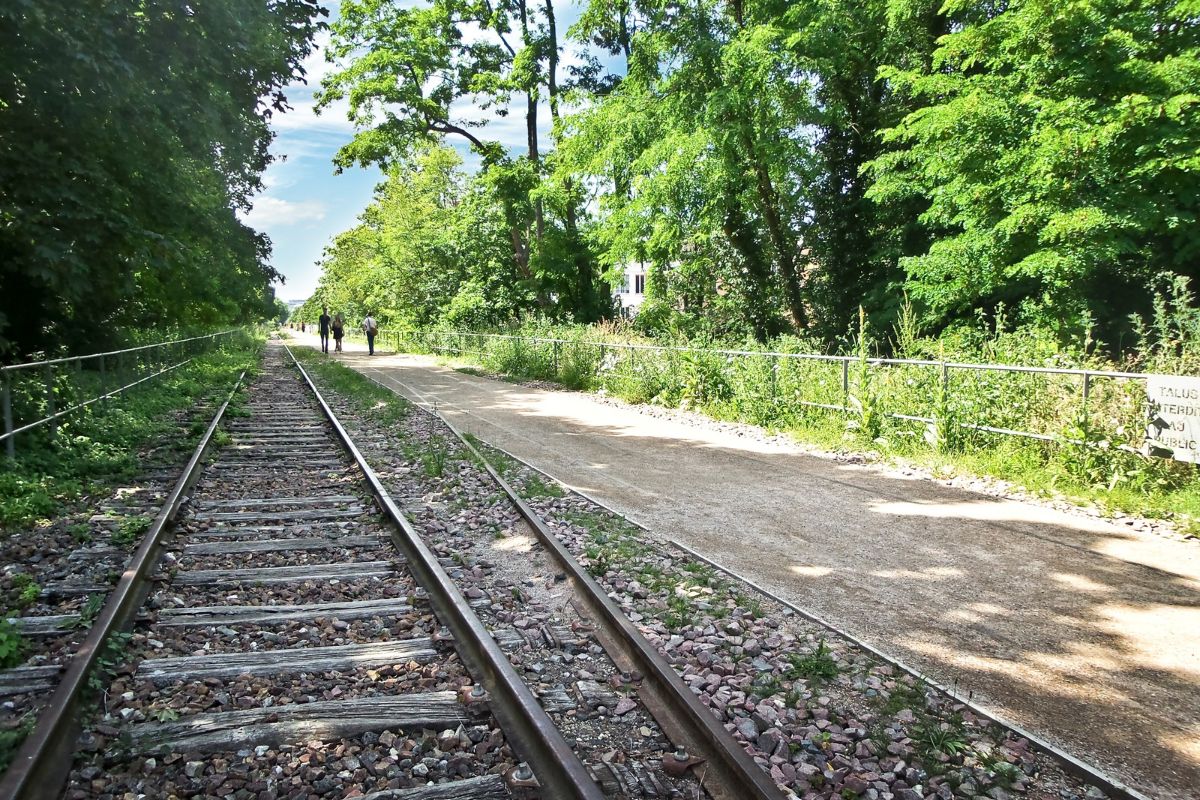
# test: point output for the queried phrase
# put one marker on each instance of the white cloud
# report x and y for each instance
(276, 212)
(303, 116)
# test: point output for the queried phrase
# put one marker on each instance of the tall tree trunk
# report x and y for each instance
(781, 237)
(741, 236)
(531, 128)
(586, 307)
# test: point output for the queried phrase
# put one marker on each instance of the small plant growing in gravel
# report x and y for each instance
(130, 529)
(902, 697)
(12, 643)
(433, 459)
(222, 438)
(1006, 774)
(535, 486)
(25, 590)
(81, 532)
(679, 611)
(751, 605)
(89, 611)
(935, 737)
(765, 685)
(598, 561)
(10, 740)
(110, 658)
(816, 667)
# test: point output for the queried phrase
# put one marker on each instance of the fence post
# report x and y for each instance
(48, 371)
(555, 358)
(103, 377)
(774, 371)
(1087, 391)
(845, 382)
(9, 443)
(945, 381)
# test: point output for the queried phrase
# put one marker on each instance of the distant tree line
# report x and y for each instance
(778, 164)
(131, 135)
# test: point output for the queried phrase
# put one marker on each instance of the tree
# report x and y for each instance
(1052, 147)
(130, 137)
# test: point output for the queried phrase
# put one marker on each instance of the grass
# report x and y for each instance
(11, 739)
(12, 643)
(373, 401)
(816, 667)
(433, 457)
(103, 444)
(130, 529)
(536, 486)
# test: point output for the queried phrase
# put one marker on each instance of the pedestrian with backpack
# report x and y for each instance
(339, 329)
(370, 329)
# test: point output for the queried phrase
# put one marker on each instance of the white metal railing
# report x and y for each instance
(129, 367)
(457, 342)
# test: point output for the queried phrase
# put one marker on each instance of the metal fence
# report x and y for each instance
(1031, 402)
(40, 393)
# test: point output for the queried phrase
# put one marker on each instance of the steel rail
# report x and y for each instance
(560, 773)
(43, 763)
(1116, 789)
(729, 773)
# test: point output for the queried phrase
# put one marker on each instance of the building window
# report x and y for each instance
(639, 284)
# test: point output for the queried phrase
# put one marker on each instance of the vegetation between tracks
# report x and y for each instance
(371, 399)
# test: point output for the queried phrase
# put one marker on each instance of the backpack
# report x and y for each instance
(371, 326)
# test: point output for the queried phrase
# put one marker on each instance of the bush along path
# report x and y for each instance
(74, 512)
(824, 717)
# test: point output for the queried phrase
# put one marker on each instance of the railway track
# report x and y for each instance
(294, 636)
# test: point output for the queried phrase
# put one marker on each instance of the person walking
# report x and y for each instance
(370, 329)
(339, 329)
(325, 321)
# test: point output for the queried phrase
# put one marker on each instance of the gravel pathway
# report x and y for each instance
(1084, 631)
(824, 717)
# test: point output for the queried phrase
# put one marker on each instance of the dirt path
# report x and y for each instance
(1084, 632)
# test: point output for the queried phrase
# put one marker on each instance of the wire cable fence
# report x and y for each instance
(38, 394)
(951, 400)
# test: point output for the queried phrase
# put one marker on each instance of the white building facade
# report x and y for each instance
(631, 289)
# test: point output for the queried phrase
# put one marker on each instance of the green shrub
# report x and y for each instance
(12, 643)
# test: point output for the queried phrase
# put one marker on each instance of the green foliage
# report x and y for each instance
(12, 643)
(535, 486)
(25, 590)
(1048, 146)
(120, 206)
(777, 167)
(101, 443)
(130, 530)
(433, 457)
(114, 651)
(90, 610)
(1098, 464)
(863, 397)
(816, 667)
(11, 739)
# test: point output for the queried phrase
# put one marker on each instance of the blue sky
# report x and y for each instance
(304, 204)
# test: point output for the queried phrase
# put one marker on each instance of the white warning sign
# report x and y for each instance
(1174, 430)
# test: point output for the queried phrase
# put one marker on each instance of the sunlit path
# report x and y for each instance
(1083, 631)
